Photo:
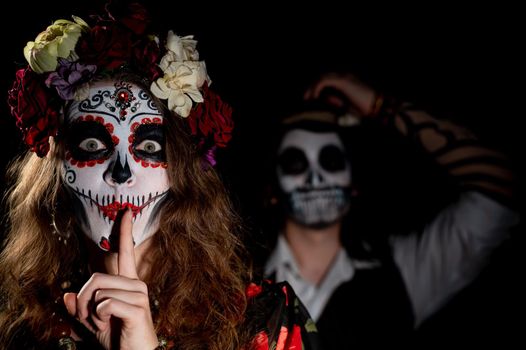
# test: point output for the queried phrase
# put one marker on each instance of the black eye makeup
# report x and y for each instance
(148, 142)
(292, 161)
(332, 158)
(89, 140)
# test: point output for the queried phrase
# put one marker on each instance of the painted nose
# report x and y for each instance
(120, 174)
(314, 178)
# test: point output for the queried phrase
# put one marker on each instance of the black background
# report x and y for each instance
(463, 63)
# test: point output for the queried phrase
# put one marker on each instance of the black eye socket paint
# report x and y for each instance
(292, 161)
(80, 131)
(154, 132)
(332, 158)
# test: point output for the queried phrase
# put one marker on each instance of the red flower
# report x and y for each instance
(146, 59)
(253, 290)
(211, 121)
(119, 39)
(133, 16)
(260, 341)
(35, 108)
(106, 46)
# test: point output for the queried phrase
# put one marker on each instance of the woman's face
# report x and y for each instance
(115, 159)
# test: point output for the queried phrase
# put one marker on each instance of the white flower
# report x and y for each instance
(179, 86)
(183, 48)
(184, 74)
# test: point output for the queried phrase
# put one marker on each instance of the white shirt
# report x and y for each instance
(435, 264)
(314, 297)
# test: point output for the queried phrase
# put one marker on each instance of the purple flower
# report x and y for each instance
(69, 77)
(209, 156)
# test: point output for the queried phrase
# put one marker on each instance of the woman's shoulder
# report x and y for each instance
(279, 319)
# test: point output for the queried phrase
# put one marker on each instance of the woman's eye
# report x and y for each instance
(149, 146)
(92, 145)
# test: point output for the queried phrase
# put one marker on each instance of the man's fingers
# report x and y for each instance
(126, 259)
(313, 92)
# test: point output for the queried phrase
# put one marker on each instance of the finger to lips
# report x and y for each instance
(126, 255)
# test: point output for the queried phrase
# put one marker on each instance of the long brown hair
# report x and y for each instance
(197, 271)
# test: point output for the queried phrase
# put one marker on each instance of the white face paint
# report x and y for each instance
(114, 160)
(315, 175)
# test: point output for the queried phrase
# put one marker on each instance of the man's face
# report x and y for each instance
(114, 160)
(315, 176)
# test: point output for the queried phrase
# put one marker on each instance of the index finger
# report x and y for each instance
(126, 255)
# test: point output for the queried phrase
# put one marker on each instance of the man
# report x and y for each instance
(356, 300)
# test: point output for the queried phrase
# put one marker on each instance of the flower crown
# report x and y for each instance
(65, 57)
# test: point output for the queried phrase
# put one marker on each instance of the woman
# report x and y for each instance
(120, 232)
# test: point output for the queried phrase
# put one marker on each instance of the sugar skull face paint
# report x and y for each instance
(115, 159)
(315, 176)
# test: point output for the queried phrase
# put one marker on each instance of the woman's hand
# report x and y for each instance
(116, 308)
(350, 92)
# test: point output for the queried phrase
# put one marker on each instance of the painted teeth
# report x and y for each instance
(105, 200)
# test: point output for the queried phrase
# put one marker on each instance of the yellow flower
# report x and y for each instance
(58, 40)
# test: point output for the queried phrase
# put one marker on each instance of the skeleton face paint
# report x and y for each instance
(315, 176)
(114, 160)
